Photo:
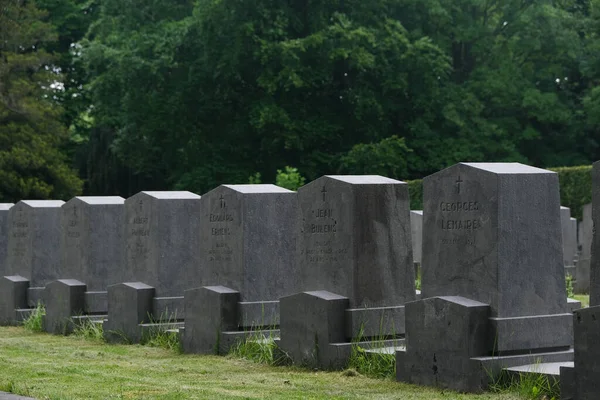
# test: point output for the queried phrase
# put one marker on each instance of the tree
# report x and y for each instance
(32, 165)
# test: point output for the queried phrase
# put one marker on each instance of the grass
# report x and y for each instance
(528, 386)
(58, 367)
(583, 298)
(569, 285)
(35, 321)
(88, 329)
(260, 349)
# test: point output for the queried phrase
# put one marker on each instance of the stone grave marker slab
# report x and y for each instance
(248, 239)
(92, 240)
(492, 233)
(162, 241)
(355, 239)
(34, 241)
(4, 208)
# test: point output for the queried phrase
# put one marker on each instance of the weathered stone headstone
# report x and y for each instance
(355, 239)
(582, 280)
(569, 236)
(595, 246)
(4, 208)
(355, 255)
(92, 240)
(162, 241)
(416, 225)
(491, 237)
(490, 234)
(247, 240)
(34, 241)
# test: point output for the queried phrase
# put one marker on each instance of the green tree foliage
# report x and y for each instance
(32, 164)
(191, 94)
(387, 157)
(289, 178)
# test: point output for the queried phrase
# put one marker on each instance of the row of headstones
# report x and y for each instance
(493, 286)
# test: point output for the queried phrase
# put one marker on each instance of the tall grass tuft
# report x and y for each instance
(35, 321)
(375, 365)
(528, 385)
(161, 336)
(260, 348)
(89, 329)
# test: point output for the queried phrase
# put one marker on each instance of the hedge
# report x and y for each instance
(575, 189)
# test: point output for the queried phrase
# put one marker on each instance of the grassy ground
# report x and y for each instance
(56, 367)
(583, 298)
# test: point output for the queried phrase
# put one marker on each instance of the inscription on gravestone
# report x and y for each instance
(248, 236)
(34, 241)
(355, 239)
(162, 242)
(484, 228)
(92, 243)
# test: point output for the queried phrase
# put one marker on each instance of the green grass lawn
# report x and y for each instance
(56, 367)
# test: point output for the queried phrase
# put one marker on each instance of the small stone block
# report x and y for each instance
(533, 333)
(129, 304)
(209, 311)
(442, 336)
(64, 298)
(254, 314)
(310, 321)
(375, 322)
(568, 387)
(586, 323)
(96, 302)
(13, 295)
(169, 308)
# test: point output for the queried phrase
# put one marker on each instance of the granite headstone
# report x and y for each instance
(92, 240)
(34, 241)
(492, 233)
(416, 225)
(4, 208)
(248, 239)
(355, 239)
(162, 241)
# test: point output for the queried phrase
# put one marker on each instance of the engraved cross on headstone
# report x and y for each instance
(458, 182)
(222, 201)
(323, 191)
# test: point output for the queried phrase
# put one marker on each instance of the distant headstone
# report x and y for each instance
(595, 246)
(92, 240)
(162, 241)
(248, 239)
(34, 241)
(416, 227)
(492, 233)
(569, 236)
(355, 239)
(4, 208)
(582, 281)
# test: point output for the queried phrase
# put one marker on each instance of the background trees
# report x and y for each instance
(191, 94)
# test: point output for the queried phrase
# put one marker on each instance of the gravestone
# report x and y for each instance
(569, 236)
(582, 280)
(595, 246)
(355, 255)
(162, 241)
(490, 234)
(491, 240)
(355, 239)
(92, 240)
(34, 241)
(416, 227)
(247, 240)
(4, 208)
